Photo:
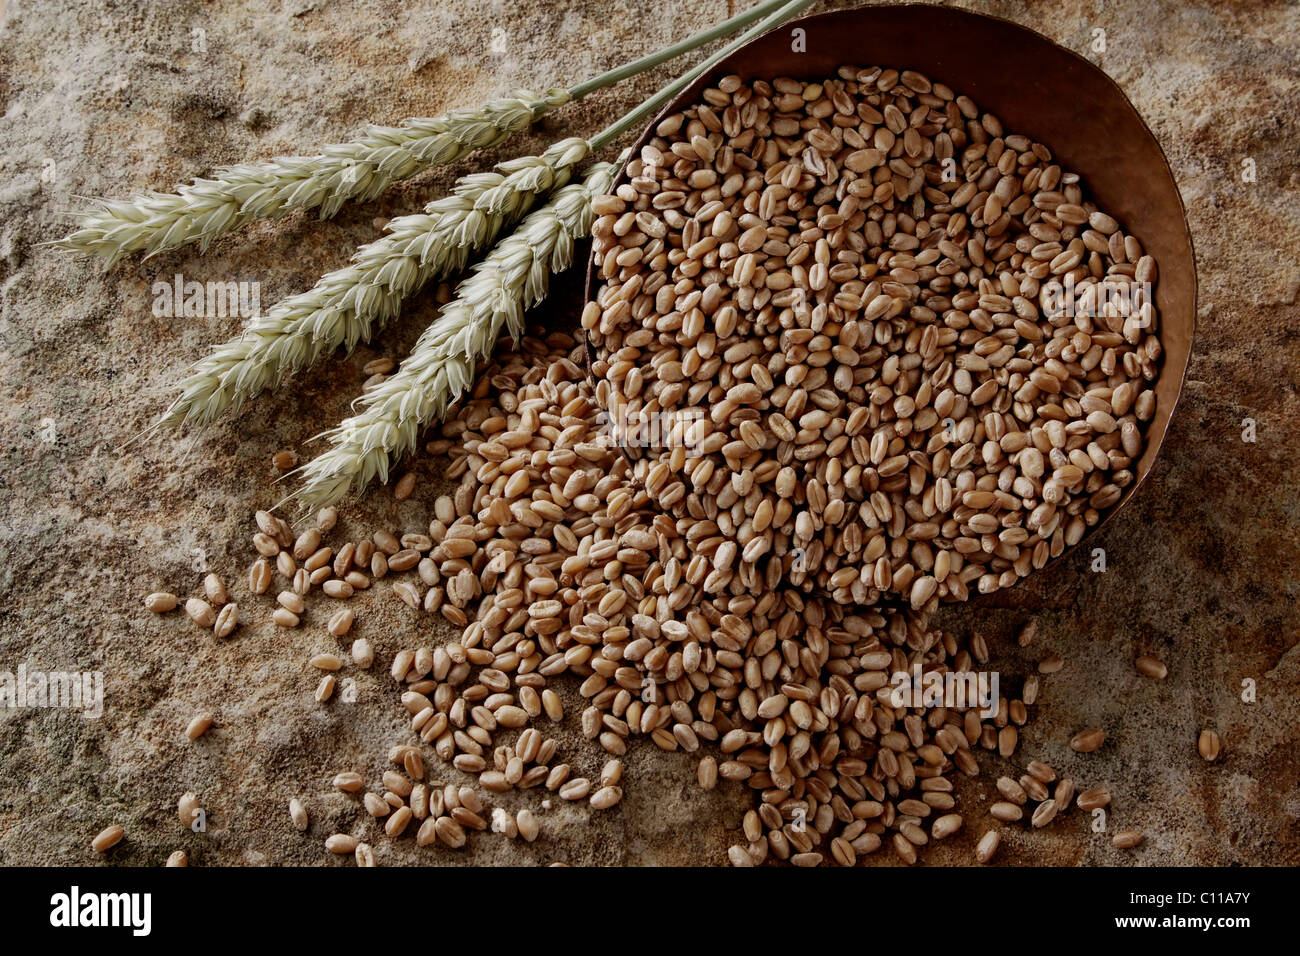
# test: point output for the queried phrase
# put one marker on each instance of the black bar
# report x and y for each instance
(220, 905)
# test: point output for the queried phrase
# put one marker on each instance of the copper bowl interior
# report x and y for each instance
(1036, 88)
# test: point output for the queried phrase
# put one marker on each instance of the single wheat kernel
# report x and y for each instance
(285, 618)
(1087, 741)
(291, 602)
(227, 620)
(946, 825)
(449, 832)
(1208, 745)
(337, 589)
(1127, 839)
(706, 773)
(1006, 812)
(529, 828)
(266, 523)
(1063, 794)
(215, 589)
(341, 622)
(108, 838)
(307, 544)
(1152, 667)
(187, 807)
(349, 781)
(398, 822)
(160, 602)
(319, 561)
(326, 662)
(341, 843)
(198, 726)
(298, 814)
(575, 789)
(326, 519)
(1041, 771)
(363, 655)
(1044, 813)
(259, 576)
(325, 689)
(200, 612)
(1093, 798)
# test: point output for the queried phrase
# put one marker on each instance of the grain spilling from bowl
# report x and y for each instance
(833, 388)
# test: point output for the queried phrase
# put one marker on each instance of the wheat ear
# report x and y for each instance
(360, 170)
(349, 304)
(514, 276)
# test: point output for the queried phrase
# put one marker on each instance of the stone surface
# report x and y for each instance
(101, 99)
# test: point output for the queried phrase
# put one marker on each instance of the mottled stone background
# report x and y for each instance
(103, 98)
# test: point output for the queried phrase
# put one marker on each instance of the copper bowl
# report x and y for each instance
(1036, 88)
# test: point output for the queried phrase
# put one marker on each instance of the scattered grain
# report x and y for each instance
(1208, 745)
(1127, 839)
(108, 838)
(160, 602)
(198, 726)
(1088, 740)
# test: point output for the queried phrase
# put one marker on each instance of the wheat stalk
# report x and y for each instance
(360, 170)
(513, 277)
(347, 305)
(208, 208)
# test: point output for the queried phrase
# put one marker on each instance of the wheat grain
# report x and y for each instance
(512, 278)
(1209, 745)
(879, 438)
(198, 726)
(108, 838)
(987, 846)
(348, 305)
(160, 602)
(1127, 839)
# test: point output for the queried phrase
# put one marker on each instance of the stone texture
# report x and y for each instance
(1202, 565)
